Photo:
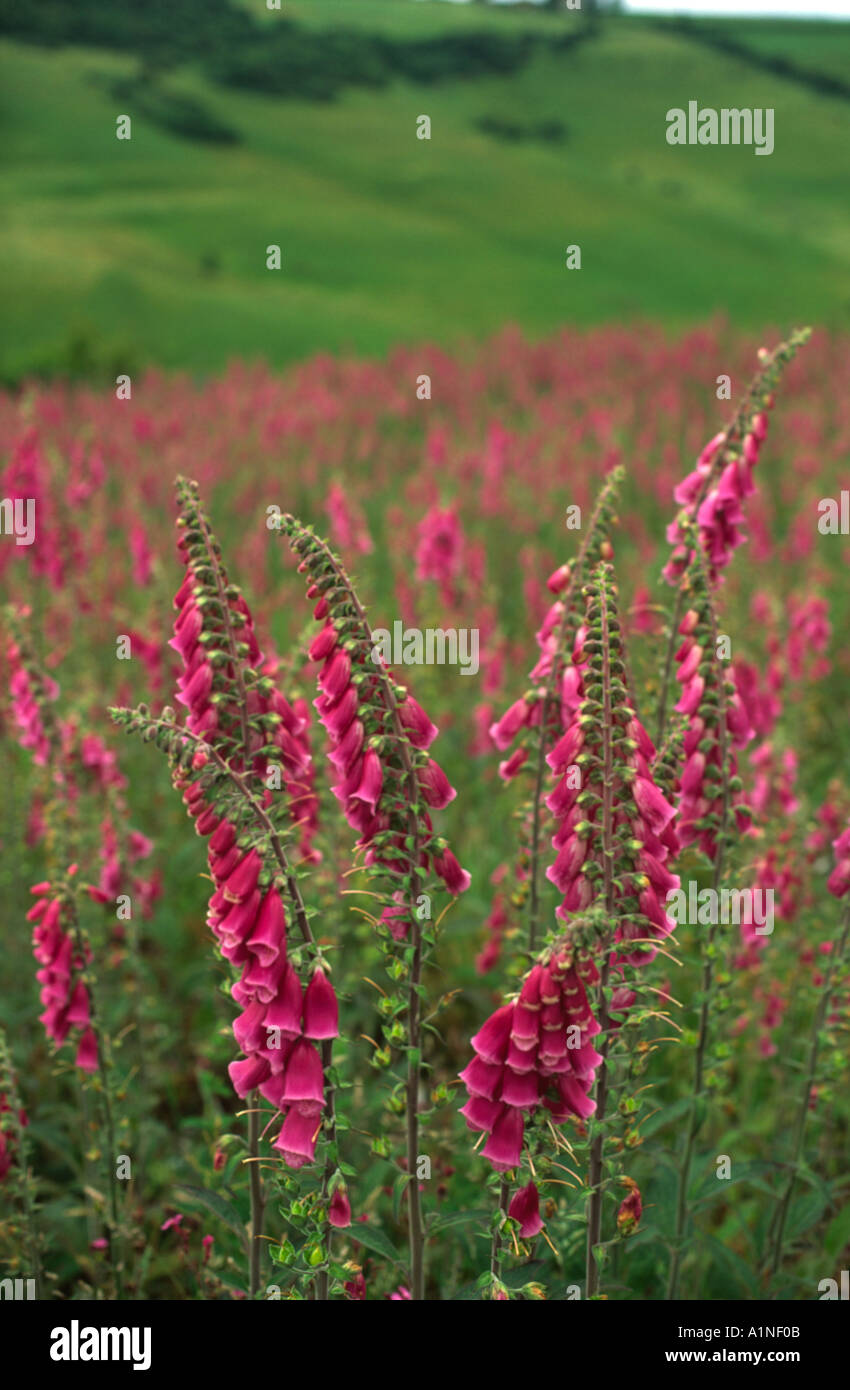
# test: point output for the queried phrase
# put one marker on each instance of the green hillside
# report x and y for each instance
(153, 249)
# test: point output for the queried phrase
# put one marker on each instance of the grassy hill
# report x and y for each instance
(116, 253)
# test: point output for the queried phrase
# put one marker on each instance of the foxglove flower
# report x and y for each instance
(379, 736)
(234, 707)
(642, 830)
(440, 549)
(541, 717)
(339, 1211)
(387, 786)
(65, 998)
(525, 1208)
(30, 690)
(346, 522)
(630, 1210)
(533, 1052)
(9, 1123)
(717, 725)
(712, 497)
(838, 882)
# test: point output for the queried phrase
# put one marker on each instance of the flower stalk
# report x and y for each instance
(379, 741)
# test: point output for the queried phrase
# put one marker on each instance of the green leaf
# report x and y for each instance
(460, 1218)
(804, 1213)
(732, 1265)
(838, 1233)
(814, 1180)
(665, 1116)
(758, 1174)
(375, 1239)
(218, 1205)
(399, 1189)
(517, 1278)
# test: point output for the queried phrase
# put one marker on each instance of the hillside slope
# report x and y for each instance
(153, 249)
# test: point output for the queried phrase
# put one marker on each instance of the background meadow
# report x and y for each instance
(298, 390)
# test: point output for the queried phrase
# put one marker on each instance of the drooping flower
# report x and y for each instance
(525, 1208)
(534, 1052)
(10, 1121)
(339, 1211)
(440, 549)
(838, 882)
(347, 523)
(63, 993)
(31, 690)
(321, 1011)
(712, 497)
(236, 709)
(717, 725)
(642, 820)
(379, 736)
(630, 1210)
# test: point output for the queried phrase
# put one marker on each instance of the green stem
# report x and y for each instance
(105, 1069)
(414, 1210)
(685, 1166)
(330, 1163)
(668, 669)
(23, 1174)
(597, 1146)
(805, 1095)
(257, 1196)
(415, 848)
(761, 383)
(566, 629)
(596, 1168)
(694, 1118)
(496, 1244)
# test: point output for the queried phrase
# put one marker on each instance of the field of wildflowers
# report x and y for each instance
(495, 946)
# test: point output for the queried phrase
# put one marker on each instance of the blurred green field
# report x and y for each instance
(115, 254)
(819, 46)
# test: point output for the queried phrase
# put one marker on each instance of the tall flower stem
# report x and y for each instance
(757, 396)
(256, 1190)
(224, 608)
(416, 839)
(257, 1195)
(496, 1243)
(684, 1178)
(256, 1181)
(417, 1244)
(668, 670)
(173, 730)
(136, 978)
(9, 1085)
(323, 1281)
(594, 538)
(596, 1167)
(105, 1068)
(700, 1057)
(836, 958)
